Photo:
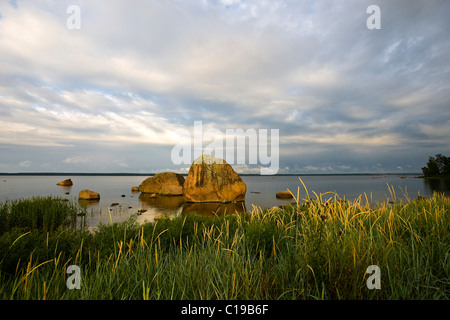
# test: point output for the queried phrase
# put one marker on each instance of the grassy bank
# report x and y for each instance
(319, 248)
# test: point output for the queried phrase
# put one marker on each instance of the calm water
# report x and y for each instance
(260, 192)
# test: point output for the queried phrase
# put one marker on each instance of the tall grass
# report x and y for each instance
(318, 248)
(38, 213)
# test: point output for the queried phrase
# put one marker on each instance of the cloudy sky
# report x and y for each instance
(113, 94)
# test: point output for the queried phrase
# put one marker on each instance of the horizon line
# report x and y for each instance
(153, 173)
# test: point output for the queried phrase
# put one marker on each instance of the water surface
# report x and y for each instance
(261, 192)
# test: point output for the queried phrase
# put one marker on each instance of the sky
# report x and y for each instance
(113, 87)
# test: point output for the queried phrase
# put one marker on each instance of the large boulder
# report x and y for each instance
(211, 179)
(88, 195)
(164, 183)
(65, 183)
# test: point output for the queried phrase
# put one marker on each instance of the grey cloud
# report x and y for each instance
(137, 71)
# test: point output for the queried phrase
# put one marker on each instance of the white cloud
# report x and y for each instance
(440, 131)
(76, 160)
(121, 163)
(317, 76)
(25, 164)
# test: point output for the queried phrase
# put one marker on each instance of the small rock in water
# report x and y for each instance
(65, 183)
(284, 195)
(88, 195)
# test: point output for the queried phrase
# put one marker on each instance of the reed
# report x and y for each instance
(318, 248)
(38, 213)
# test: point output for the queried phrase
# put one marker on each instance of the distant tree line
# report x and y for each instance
(437, 166)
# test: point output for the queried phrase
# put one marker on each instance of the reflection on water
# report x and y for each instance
(436, 185)
(213, 208)
(166, 203)
(261, 192)
(65, 189)
(84, 203)
(176, 204)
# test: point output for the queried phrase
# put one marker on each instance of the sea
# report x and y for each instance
(118, 203)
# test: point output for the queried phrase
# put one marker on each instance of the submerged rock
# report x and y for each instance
(211, 179)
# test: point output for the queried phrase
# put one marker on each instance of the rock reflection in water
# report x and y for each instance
(65, 189)
(165, 203)
(211, 208)
(171, 204)
(88, 203)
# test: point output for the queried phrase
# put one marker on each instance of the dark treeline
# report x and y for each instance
(437, 166)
